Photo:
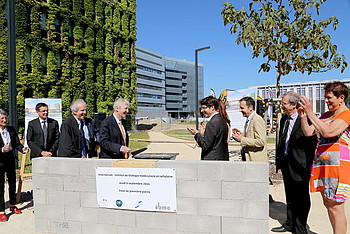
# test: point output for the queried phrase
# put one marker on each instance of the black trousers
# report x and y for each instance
(298, 203)
(7, 165)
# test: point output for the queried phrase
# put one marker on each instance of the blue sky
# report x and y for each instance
(176, 28)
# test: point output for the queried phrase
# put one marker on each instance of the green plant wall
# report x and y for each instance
(72, 49)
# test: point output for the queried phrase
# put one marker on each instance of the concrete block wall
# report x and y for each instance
(212, 197)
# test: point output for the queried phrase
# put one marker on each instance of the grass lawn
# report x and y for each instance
(180, 134)
(134, 145)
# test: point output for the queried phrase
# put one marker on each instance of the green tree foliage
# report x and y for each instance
(71, 51)
(286, 34)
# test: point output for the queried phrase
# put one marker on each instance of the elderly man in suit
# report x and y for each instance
(114, 139)
(77, 138)
(294, 156)
(253, 139)
(213, 141)
(42, 133)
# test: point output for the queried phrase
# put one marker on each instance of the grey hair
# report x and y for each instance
(74, 105)
(119, 103)
(293, 98)
(2, 112)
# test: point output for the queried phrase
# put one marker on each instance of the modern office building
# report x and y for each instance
(313, 90)
(165, 86)
(150, 83)
(180, 87)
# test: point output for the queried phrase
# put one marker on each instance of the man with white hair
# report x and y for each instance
(114, 138)
(77, 133)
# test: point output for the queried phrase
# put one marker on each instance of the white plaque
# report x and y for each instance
(150, 189)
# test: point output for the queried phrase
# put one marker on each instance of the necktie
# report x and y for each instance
(123, 135)
(83, 142)
(284, 133)
(45, 134)
(245, 127)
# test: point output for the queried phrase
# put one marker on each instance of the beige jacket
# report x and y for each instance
(255, 139)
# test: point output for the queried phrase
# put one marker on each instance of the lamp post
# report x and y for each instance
(196, 82)
(12, 63)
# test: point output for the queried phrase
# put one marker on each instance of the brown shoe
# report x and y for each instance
(3, 217)
(15, 210)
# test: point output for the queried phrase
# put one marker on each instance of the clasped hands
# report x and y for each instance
(305, 107)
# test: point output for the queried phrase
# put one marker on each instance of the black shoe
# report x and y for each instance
(279, 229)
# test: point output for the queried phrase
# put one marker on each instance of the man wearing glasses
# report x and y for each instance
(294, 156)
(213, 139)
(42, 133)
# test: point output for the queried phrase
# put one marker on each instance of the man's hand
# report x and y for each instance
(25, 150)
(125, 149)
(46, 153)
(6, 147)
(193, 131)
(236, 134)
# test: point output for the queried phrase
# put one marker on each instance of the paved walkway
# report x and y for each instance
(318, 220)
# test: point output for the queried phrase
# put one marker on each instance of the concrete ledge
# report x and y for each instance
(212, 197)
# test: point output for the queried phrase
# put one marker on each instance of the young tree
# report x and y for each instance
(285, 33)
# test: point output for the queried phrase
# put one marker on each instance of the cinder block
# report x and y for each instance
(156, 220)
(52, 212)
(97, 228)
(41, 225)
(94, 228)
(186, 205)
(196, 223)
(47, 181)
(200, 189)
(256, 209)
(117, 217)
(88, 199)
(64, 198)
(185, 169)
(155, 231)
(220, 207)
(80, 184)
(221, 171)
(244, 226)
(88, 167)
(233, 190)
(62, 226)
(256, 172)
(39, 166)
(245, 191)
(40, 196)
(81, 214)
(63, 166)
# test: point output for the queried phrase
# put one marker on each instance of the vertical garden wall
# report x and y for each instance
(72, 49)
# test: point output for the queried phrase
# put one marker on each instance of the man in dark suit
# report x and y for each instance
(9, 142)
(294, 156)
(77, 138)
(42, 133)
(214, 141)
(114, 139)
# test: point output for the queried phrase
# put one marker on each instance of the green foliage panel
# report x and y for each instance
(77, 49)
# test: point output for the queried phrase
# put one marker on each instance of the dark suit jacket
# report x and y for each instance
(214, 142)
(70, 138)
(15, 143)
(111, 138)
(301, 150)
(35, 137)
